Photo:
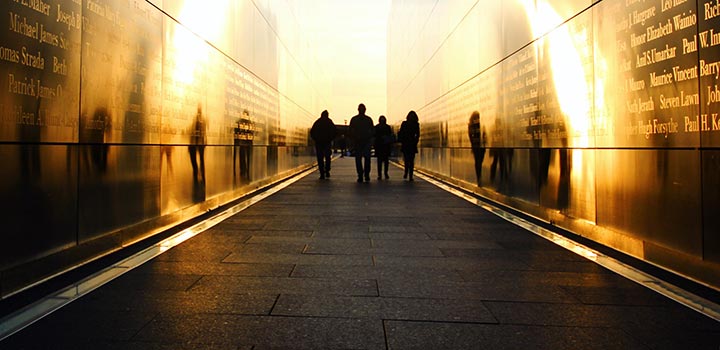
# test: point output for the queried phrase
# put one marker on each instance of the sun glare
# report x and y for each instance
(191, 52)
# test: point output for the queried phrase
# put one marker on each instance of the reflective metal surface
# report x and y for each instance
(117, 120)
(599, 117)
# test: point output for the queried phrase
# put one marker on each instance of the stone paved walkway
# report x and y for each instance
(334, 264)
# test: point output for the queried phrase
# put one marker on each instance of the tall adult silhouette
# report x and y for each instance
(323, 132)
(384, 138)
(362, 131)
(477, 136)
(409, 135)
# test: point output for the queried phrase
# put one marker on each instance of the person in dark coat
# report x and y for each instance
(361, 131)
(384, 138)
(409, 135)
(323, 132)
(477, 137)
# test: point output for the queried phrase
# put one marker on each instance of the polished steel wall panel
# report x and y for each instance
(646, 69)
(565, 86)
(125, 190)
(653, 194)
(39, 196)
(39, 71)
(710, 204)
(707, 42)
(121, 74)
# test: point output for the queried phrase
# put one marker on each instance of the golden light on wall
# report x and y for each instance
(198, 19)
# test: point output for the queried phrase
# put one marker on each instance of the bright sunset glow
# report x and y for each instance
(568, 75)
(191, 51)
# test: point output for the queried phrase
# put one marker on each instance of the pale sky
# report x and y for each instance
(351, 43)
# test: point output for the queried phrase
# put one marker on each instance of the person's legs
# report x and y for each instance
(366, 155)
(319, 153)
(328, 157)
(406, 160)
(410, 166)
(379, 167)
(358, 163)
(386, 160)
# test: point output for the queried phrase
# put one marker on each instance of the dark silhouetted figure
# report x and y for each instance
(95, 130)
(323, 132)
(409, 135)
(198, 139)
(477, 137)
(384, 138)
(243, 147)
(361, 131)
(342, 145)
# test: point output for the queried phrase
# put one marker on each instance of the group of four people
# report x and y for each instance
(364, 135)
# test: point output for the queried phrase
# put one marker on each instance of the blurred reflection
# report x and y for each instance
(242, 149)
(30, 149)
(477, 136)
(95, 131)
(502, 156)
(198, 139)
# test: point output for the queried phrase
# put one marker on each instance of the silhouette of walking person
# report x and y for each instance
(477, 137)
(409, 135)
(323, 132)
(361, 131)
(198, 139)
(384, 138)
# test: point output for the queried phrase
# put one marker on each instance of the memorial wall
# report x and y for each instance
(600, 117)
(121, 118)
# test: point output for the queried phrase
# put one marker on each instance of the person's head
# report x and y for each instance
(412, 117)
(475, 117)
(324, 114)
(361, 109)
(382, 119)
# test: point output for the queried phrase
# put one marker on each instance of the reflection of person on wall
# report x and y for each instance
(477, 137)
(361, 131)
(30, 148)
(94, 130)
(323, 132)
(565, 167)
(501, 156)
(384, 139)
(198, 139)
(243, 146)
(409, 135)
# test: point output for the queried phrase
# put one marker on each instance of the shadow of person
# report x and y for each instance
(95, 132)
(244, 135)
(477, 137)
(198, 139)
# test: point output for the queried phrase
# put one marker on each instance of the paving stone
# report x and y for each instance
(278, 285)
(432, 335)
(282, 248)
(413, 288)
(616, 294)
(202, 268)
(139, 281)
(383, 308)
(306, 259)
(373, 272)
(168, 303)
(491, 263)
(280, 233)
(294, 332)
(351, 249)
(557, 278)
